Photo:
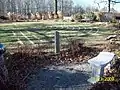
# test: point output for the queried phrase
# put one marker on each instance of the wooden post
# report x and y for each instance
(57, 42)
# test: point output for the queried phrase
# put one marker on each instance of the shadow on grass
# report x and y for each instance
(85, 35)
(37, 28)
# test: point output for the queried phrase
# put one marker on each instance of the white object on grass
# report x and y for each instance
(111, 37)
(98, 65)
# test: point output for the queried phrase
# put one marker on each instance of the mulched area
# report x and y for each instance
(24, 61)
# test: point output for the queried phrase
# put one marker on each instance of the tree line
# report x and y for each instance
(32, 6)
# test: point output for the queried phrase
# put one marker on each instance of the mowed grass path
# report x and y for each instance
(32, 33)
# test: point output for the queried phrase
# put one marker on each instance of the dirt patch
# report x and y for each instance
(60, 77)
(77, 53)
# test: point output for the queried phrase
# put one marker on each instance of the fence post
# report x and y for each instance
(57, 42)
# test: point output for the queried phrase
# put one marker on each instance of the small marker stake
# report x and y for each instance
(57, 42)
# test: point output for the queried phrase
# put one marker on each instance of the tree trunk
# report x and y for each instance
(109, 5)
(62, 7)
(55, 7)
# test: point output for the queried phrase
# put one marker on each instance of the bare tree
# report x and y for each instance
(55, 7)
(107, 2)
(66, 6)
(37, 5)
(1, 6)
(50, 5)
(26, 6)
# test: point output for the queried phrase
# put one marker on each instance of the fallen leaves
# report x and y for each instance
(26, 60)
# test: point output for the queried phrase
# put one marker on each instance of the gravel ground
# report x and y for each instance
(54, 77)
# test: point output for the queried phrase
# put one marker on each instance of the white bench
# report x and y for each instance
(98, 65)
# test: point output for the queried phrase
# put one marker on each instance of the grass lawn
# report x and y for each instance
(32, 33)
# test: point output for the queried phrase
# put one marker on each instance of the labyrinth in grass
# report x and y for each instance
(38, 33)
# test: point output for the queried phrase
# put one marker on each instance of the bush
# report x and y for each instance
(78, 17)
(116, 25)
(99, 16)
(91, 16)
(113, 20)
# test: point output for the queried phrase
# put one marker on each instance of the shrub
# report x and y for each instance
(78, 17)
(116, 25)
(99, 16)
(113, 20)
(91, 16)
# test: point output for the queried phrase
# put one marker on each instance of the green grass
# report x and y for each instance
(39, 31)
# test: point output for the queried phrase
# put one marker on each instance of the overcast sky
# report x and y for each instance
(91, 3)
